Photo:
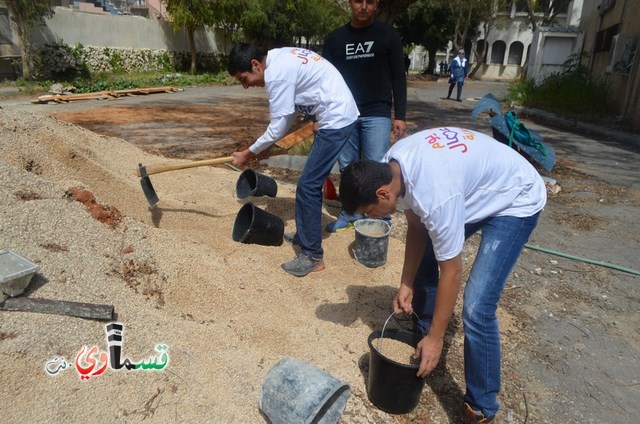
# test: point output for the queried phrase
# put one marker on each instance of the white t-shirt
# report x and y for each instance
(454, 176)
(300, 80)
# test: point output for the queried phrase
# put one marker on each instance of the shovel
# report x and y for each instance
(285, 143)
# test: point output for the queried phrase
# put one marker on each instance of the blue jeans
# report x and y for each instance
(502, 240)
(369, 140)
(325, 150)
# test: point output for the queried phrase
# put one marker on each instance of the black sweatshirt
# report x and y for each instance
(371, 60)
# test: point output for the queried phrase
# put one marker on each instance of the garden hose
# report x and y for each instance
(589, 261)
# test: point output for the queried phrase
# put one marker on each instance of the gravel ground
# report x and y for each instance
(71, 202)
(174, 277)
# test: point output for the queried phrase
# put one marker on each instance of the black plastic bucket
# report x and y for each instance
(256, 226)
(392, 386)
(252, 183)
(372, 241)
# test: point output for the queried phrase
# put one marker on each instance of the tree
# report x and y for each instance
(389, 10)
(543, 12)
(228, 15)
(463, 13)
(428, 24)
(25, 14)
(278, 23)
(490, 19)
(266, 23)
(190, 15)
(313, 20)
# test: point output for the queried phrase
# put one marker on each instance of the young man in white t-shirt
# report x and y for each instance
(451, 183)
(300, 81)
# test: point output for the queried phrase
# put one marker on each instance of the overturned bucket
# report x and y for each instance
(252, 183)
(296, 392)
(256, 226)
(372, 241)
(393, 387)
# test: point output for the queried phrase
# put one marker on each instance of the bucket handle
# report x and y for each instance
(387, 321)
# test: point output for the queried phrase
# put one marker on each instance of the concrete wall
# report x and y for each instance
(121, 31)
(616, 17)
(10, 51)
(550, 49)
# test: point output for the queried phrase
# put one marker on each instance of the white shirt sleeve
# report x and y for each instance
(275, 131)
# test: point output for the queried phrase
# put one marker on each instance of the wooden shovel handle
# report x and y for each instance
(156, 169)
(286, 142)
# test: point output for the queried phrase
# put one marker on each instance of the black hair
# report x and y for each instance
(241, 56)
(359, 183)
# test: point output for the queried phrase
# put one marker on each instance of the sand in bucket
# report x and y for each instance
(393, 384)
(372, 240)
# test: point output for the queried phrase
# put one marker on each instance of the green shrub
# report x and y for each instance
(570, 93)
(60, 61)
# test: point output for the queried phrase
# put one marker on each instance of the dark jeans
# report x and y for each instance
(460, 84)
(327, 145)
(501, 243)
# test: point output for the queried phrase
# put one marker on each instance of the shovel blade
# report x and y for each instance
(147, 188)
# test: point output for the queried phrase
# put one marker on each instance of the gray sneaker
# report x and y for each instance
(302, 265)
(291, 238)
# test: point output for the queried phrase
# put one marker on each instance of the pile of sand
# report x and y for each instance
(226, 310)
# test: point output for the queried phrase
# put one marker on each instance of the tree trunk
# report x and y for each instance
(192, 48)
(26, 58)
(482, 59)
(432, 63)
(24, 35)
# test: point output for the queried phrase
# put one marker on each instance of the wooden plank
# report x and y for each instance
(70, 97)
(296, 137)
(59, 307)
(100, 95)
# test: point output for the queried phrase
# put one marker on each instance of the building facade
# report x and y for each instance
(611, 46)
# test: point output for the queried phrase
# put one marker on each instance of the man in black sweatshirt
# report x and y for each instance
(369, 55)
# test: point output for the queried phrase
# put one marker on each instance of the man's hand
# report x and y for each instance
(429, 350)
(239, 158)
(403, 300)
(399, 129)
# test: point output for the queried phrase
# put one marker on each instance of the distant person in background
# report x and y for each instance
(443, 67)
(407, 63)
(369, 55)
(458, 74)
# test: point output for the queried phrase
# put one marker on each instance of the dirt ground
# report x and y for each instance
(570, 315)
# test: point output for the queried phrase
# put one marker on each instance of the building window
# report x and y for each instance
(515, 53)
(522, 6)
(497, 52)
(562, 9)
(5, 26)
(604, 38)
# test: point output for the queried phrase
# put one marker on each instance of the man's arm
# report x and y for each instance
(430, 347)
(275, 131)
(417, 237)
(398, 86)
